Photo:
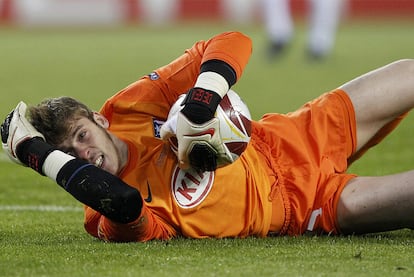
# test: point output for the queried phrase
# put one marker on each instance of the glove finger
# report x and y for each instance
(168, 129)
(182, 159)
(5, 126)
(165, 133)
(203, 157)
(21, 109)
(15, 114)
(183, 165)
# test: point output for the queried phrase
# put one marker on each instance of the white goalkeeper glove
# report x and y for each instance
(199, 145)
(16, 129)
(168, 130)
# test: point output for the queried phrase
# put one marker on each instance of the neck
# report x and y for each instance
(122, 149)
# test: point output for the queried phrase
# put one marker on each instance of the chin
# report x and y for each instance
(112, 171)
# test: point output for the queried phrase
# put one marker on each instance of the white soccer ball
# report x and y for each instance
(235, 123)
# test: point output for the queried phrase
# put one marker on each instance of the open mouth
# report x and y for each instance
(99, 161)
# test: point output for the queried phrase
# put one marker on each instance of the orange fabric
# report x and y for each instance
(288, 180)
(228, 205)
(308, 151)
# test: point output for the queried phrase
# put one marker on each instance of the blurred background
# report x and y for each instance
(90, 49)
(110, 12)
(115, 12)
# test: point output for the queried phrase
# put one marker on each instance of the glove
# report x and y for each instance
(16, 129)
(199, 145)
(168, 130)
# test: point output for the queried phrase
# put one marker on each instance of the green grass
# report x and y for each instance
(93, 64)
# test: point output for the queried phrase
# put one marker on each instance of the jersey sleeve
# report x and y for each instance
(145, 227)
(156, 92)
(234, 48)
(148, 100)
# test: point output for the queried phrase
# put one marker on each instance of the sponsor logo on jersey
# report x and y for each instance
(190, 187)
(157, 127)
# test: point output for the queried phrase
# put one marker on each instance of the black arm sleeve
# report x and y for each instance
(92, 186)
(101, 191)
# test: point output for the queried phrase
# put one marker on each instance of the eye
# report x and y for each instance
(82, 135)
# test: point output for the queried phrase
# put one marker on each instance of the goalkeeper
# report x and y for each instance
(291, 179)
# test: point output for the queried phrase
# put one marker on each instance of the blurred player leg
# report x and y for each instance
(323, 23)
(279, 25)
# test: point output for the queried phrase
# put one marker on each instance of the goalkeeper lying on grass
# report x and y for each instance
(291, 179)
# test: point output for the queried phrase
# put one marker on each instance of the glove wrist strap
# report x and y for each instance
(33, 153)
(200, 105)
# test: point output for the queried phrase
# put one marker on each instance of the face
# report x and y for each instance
(92, 142)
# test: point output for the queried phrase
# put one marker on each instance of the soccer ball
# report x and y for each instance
(235, 124)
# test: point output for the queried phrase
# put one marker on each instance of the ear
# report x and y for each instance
(101, 120)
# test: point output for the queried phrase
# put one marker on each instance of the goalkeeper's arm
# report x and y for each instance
(199, 141)
(90, 185)
(215, 79)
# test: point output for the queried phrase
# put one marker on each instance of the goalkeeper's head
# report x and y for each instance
(54, 117)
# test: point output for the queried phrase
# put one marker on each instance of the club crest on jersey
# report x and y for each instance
(157, 127)
(154, 76)
(190, 187)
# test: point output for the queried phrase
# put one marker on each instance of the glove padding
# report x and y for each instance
(16, 129)
(199, 145)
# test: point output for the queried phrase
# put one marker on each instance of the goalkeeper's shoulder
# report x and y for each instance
(234, 35)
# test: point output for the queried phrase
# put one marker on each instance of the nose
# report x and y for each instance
(82, 151)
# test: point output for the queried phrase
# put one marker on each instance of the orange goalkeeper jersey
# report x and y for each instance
(288, 180)
(179, 203)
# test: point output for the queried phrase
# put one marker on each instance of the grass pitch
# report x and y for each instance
(41, 232)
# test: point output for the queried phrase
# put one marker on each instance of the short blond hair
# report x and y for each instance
(53, 117)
